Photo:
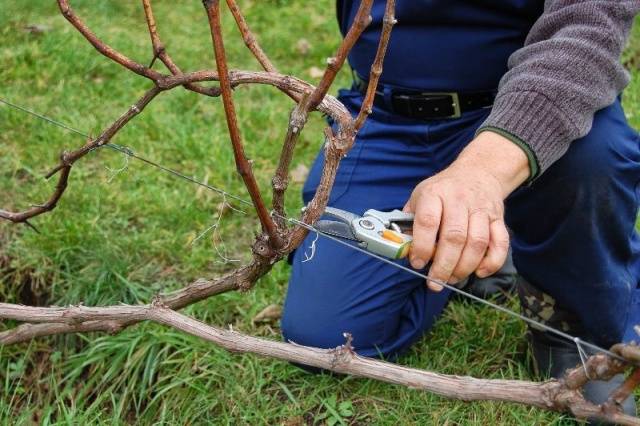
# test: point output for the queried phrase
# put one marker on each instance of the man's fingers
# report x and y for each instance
(436, 288)
(478, 237)
(427, 216)
(497, 252)
(451, 241)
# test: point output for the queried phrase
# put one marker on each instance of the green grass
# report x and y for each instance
(125, 237)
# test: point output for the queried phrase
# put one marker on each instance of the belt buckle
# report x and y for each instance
(455, 99)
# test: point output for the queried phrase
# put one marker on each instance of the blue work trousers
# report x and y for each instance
(573, 234)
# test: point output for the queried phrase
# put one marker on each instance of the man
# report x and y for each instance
(489, 114)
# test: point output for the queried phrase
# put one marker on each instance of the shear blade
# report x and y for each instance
(337, 229)
(340, 215)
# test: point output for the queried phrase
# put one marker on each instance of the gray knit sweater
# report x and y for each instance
(568, 69)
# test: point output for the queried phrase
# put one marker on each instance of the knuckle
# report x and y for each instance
(455, 236)
(460, 196)
(427, 220)
(478, 243)
(495, 212)
(480, 211)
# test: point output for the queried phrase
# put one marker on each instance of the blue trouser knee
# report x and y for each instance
(573, 234)
(573, 230)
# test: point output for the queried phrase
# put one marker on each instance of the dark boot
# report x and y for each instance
(553, 355)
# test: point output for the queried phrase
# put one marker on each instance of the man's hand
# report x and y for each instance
(459, 213)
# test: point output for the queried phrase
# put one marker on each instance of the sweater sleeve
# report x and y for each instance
(568, 69)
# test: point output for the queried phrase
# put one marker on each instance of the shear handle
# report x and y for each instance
(402, 219)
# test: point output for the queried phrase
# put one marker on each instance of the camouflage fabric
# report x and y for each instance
(543, 308)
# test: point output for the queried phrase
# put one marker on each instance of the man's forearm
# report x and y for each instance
(568, 69)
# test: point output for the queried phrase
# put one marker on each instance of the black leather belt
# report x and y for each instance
(428, 105)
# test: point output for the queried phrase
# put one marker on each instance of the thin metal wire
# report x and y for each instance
(579, 342)
(43, 117)
(125, 151)
(528, 320)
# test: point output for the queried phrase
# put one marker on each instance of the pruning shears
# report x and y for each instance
(379, 232)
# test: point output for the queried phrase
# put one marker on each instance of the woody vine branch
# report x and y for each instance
(278, 237)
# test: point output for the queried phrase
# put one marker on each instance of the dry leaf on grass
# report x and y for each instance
(268, 314)
(36, 28)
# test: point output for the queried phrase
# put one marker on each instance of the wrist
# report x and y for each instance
(534, 167)
(499, 157)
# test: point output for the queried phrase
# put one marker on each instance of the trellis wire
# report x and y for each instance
(576, 340)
